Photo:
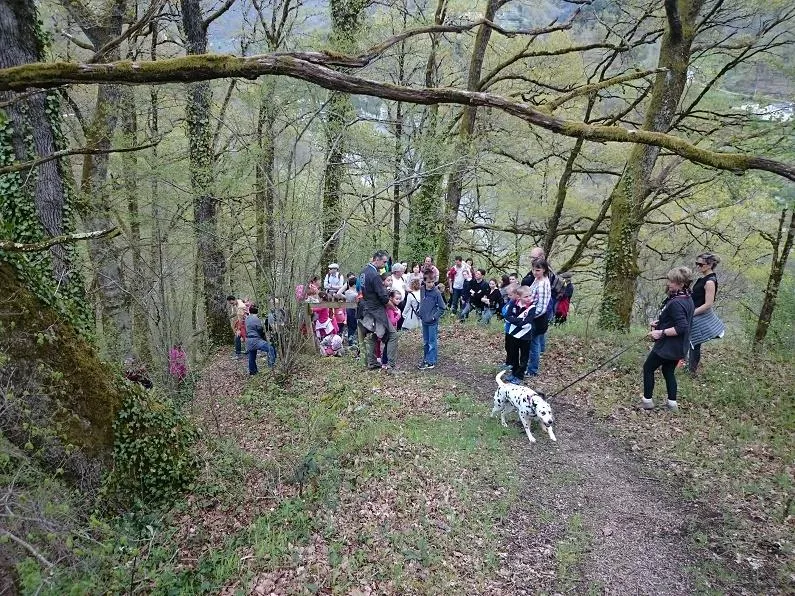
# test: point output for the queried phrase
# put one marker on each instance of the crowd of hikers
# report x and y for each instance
(368, 312)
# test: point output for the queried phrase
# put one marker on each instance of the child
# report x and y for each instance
(351, 295)
(519, 319)
(432, 307)
(389, 351)
(411, 312)
(510, 294)
(178, 363)
(331, 345)
(492, 302)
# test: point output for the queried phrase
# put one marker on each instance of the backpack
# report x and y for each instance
(556, 283)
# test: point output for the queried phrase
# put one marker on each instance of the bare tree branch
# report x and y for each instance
(17, 167)
(10, 246)
(221, 10)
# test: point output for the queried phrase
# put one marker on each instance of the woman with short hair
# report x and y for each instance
(706, 324)
(671, 335)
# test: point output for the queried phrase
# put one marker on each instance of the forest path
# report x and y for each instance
(590, 519)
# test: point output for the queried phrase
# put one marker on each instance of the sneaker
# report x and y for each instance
(672, 405)
(647, 404)
(506, 367)
(421, 365)
(426, 366)
(513, 380)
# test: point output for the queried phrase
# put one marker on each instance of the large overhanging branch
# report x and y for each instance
(11, 246)
(190, 69)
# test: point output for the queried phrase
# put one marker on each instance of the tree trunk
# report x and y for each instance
(52, 380)
(141, 281)
(345, 23)
(455, 182)
(265, 199)
(29, 130)
(205, 204)
(397, 185)
(163, 320)
(422, 233)
(631, 190)
(780, 255)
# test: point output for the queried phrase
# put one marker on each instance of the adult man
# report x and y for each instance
(455, 278)
(333, 282)
(478, 288)
(429, 268)
(373, 322)
(256, 342)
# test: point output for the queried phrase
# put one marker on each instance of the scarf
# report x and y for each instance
(671, 296)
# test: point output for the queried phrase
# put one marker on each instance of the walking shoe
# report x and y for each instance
(647, 404)
(506, 367)
(426, 366)
(514, 380)
(672, 405)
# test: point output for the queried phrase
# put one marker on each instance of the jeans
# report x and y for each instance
(536, 349)
(430, 334)
(487, 314)
(653, 362)
(350, 314)
(238, 345)
(466, 310)
(455, 299)
(255, 345)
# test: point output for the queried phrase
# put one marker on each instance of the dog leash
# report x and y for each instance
(590, 372)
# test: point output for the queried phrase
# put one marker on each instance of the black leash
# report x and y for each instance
(592, 371)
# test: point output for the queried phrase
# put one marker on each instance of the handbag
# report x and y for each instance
(540, 324)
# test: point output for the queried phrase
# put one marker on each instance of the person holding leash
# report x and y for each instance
(671, 336)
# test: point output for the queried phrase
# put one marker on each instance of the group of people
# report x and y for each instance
(385, 299)
(686, 319)
(250, 330)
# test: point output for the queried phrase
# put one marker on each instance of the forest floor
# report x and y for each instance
(359, 482)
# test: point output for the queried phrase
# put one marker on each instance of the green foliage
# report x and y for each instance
(153, 456)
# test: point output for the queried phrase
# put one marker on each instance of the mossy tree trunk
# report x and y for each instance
(141, 280)
(422, 233)
(346, 18)
(59, 400)
(100, 27)
(33, 204)
(202, 163)
(632, 188)
(781, 250)
(455, 182)
(265, 198)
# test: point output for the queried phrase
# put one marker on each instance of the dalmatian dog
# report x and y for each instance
(527, 402)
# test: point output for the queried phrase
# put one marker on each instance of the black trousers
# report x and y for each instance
(518, 354)
(653, 362)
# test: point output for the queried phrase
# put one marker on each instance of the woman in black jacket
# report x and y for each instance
(671, 336)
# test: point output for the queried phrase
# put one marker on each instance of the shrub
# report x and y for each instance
(153, 456)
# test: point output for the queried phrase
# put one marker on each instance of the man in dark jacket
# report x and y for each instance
(374, 322)
(478, 289)
(256, 342)
(432, 307)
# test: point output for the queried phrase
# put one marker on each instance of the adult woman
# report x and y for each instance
(706, 324)
(415, 273)
(541, 293)
(671, 335)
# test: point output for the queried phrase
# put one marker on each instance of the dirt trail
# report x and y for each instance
(590, 519)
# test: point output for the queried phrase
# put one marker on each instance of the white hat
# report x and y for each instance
(333, 266)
